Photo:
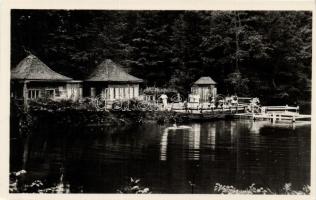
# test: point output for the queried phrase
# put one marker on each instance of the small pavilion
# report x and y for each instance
(111, 82)
(32, 79)
(203, 89)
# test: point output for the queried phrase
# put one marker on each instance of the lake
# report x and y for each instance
(101, 160)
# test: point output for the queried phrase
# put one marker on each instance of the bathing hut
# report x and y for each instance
(110, 82)
(32, 79)
(204, 88)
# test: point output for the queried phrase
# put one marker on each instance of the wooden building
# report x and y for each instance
(204, 89)
(110, 82)
(32, 79)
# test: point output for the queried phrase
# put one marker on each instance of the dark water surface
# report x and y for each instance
(100, 160)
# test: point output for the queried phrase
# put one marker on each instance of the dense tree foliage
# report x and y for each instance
(263, 54)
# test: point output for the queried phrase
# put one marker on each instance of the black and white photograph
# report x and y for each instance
(106, 101)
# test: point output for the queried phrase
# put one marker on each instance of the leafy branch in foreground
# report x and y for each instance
(37, 186)
(252, 189)
(133, 187)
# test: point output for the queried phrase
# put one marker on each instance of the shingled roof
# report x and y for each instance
(205, 80)
(32, 68)
(109, 71)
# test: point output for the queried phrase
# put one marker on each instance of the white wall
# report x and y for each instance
(122, 91)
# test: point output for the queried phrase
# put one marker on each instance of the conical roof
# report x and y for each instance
(205, 80)
(109, 71)
(32, 68)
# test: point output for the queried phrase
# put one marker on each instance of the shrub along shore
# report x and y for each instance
(87, 113)
(80, 114)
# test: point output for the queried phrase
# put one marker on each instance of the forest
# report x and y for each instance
(266, 54)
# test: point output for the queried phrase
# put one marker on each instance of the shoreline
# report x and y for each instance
(22, 120)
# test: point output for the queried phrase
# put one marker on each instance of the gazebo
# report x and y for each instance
(204, 88)
(111, 82)
(32, 79)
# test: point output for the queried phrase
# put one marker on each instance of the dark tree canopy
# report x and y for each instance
(263, 54)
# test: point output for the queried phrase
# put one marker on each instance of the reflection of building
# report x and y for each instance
(205, 87)
(111, 82)
(189, 139)
(32, 79)
(164, 145)
(194, 142)
(211, 135)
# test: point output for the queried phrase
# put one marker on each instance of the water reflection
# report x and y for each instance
(194, 142)
(190, 139)
(164, 144)
(186, 136)
(230, 152)
(211, 135)
(256, 126)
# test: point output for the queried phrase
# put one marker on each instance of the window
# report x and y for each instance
(57, 92)
(33, 94)
(136, 92)
(121, 93)
(126, 93)
(50, 93)
(117, 93)
(131, 92)
(111, 93)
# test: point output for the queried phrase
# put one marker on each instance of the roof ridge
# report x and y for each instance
(32, 68)
(110, 71)
(205, 80)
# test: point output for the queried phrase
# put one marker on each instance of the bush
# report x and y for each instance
(134, 105)
(36, 186)
(133, 187)
(62, 105)
(252, 189)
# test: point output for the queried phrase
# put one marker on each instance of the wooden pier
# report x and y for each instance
(273, 113)
(275, 116)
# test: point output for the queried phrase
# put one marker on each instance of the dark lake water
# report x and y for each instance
(100, 160)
